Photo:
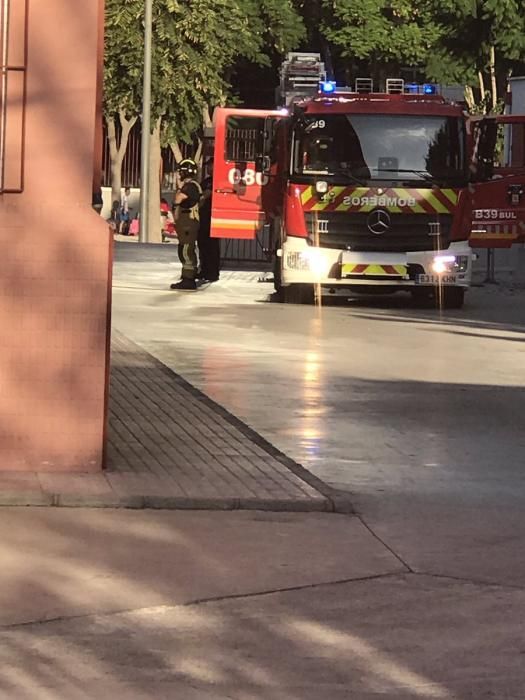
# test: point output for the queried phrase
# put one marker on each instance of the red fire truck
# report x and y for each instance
(368, 191)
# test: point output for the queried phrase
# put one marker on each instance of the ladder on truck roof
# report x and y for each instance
(301, 74)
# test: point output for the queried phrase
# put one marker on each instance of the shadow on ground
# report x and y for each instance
(390, 635)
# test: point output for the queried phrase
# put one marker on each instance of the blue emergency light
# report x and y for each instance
(429, 89)
(412, 88)
(327, 86)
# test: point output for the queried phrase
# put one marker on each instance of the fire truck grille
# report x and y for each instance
(407, 232)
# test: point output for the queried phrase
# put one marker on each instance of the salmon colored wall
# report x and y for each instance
(55, 253)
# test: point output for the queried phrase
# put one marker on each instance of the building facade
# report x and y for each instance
(55, 263)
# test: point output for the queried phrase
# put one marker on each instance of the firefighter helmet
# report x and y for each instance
(188, 168)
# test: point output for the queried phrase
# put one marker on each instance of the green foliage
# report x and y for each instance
(382, 31)
(450, 41)
(196, 42)
(467, 30)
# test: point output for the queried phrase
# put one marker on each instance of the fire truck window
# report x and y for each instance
(379, 147)
(513, 139)
(242, 138)
(277, 137)
(319, 153)
(330, 144)
(443, 148)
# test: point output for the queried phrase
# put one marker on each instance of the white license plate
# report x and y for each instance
(436, 279)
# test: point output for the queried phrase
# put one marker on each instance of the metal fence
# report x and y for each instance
(131, 162)
(240, 252)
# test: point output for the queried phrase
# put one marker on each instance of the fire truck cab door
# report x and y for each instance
(239, 203)
(498, 199)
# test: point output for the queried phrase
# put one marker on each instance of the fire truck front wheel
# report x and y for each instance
(292, 293)
(277, 274)
(453, 297)
(298, 294)
(446, 298)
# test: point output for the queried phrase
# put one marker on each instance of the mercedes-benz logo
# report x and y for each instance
(378, 221)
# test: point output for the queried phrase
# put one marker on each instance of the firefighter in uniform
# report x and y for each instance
(187, 199)
(209, 248)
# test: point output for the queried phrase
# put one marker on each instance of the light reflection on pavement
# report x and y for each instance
(368, 395)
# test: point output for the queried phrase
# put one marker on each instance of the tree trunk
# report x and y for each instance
(115, 161)
(469, 98)
(207, 122)
(198, 154)
(177, 152)
(154, 230)
(117, 151)
(206, 117)
(116, 179)
(493, 85)
(481, 87)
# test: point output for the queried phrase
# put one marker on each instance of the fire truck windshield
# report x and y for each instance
(381, 147)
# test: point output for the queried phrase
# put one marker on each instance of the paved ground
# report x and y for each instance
(169, 441)
(419, 595)
(417, 414)
(368, 395)
(169, 446)
(241, 606)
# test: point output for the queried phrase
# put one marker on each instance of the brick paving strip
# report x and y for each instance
(170, 446)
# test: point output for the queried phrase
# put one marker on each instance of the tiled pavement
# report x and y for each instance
(172, 447)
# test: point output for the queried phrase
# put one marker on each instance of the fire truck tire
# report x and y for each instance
(298, 294)
(453, 297)
(277, 275)
(424, 298)
(450, 298)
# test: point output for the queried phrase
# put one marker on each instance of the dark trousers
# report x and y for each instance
(187, 231)
(210, 256)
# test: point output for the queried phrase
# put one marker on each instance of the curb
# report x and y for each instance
(26, 498)
(155, 502)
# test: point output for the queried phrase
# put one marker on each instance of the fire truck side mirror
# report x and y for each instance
(262, 164)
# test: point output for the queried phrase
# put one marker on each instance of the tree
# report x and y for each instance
(121, 93)
(477, 44)
(382, 34)
(195, 43)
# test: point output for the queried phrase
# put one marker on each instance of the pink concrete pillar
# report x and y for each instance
(54, 250)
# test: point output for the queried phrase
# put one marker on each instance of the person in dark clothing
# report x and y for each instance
(114, 220)
(96, 200)
(187, 199)
(125, 213)
(209, 248)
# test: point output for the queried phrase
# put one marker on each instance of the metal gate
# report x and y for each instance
(240, 251)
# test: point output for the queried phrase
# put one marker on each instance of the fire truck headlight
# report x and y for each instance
(462, 263)
(317, 262)
(321, 187)
(312, 260)
(444, 264)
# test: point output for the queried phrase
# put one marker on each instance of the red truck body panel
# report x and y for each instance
(238, 209)
(498, 206)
